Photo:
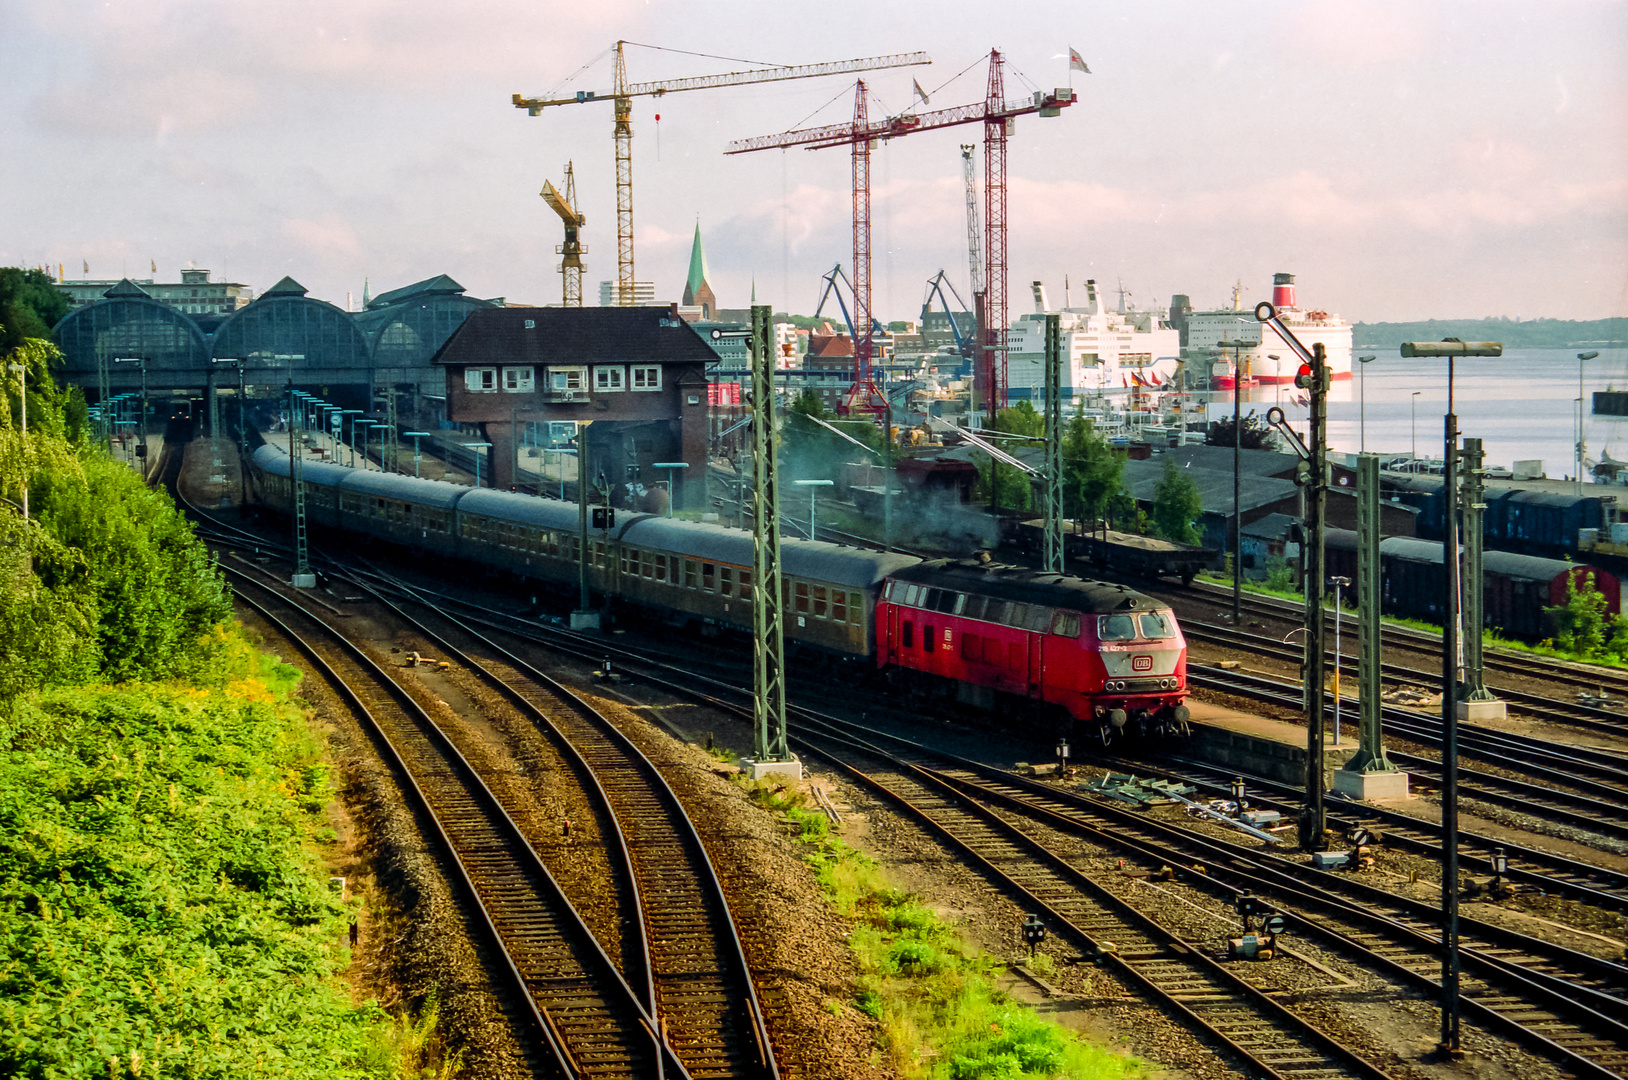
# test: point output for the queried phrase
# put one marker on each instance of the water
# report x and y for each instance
(1522, 405)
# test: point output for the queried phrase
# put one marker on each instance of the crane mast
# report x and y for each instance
(997, 115)
(975, 258)
(571, 250)
(622, 94)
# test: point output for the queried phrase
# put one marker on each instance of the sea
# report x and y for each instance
(1522, 406)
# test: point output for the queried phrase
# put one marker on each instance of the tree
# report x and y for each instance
(1177, 505)
(1013, 489)
(1093, 471)
(30, 305)
(1257, 433)
(1582, 623)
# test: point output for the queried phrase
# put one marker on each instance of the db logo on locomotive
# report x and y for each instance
(1141, 663)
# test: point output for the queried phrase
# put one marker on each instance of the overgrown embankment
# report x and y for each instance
(162, 909)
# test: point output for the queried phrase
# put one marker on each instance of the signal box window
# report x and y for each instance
(646, 376)
(517, 380)
(480, 380)
(567, 380)
(609, 378)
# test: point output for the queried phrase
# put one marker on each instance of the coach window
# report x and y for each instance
(856, 609)
(802, 597)
(1156, 624)
(707, 579)
(820, 604)
(647, 564)
(839, 606)
(726, 581)
(746, 584)
(661, 568)
(690, 573)
(1066, 624)
(1116, 628)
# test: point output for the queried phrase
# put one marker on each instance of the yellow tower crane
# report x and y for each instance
(571, 250)
(623, 93)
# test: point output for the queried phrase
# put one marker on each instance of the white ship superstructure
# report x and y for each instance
(1103, 350)
(1271, 361)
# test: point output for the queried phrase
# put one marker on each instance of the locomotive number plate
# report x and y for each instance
(1141, 663)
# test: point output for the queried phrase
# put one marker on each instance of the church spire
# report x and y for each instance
(697, 290)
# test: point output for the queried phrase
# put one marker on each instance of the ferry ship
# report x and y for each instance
(1105, 351)
(1270, 361)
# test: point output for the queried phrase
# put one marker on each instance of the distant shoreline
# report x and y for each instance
(1530, 334)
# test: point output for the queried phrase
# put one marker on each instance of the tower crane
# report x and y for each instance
(571, 251)
(997, 115)
(622, 95)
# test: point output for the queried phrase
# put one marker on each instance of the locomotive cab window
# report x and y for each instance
(1157, 625)
(1116, 628)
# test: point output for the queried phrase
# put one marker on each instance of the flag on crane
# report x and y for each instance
(1076, 62)
(920, 92)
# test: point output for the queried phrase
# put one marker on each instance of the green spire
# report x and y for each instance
(698, 262)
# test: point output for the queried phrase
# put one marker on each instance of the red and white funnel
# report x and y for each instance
(1282, 291)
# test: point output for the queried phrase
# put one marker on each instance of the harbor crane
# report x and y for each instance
(571, 251)
(622, 94)
(998, 115)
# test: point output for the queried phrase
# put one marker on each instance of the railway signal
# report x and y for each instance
(1251, 945)
(1034, 932)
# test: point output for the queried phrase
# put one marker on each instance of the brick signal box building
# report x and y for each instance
(632, 378)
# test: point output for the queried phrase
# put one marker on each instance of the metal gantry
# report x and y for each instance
(303, 578)
(1052, 475)
(768, 614)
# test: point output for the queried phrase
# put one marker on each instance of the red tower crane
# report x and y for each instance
(996, 114)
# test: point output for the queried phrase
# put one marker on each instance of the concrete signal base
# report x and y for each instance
(1371, 786)
(1476, 711)
(585, 620)
(757, 770)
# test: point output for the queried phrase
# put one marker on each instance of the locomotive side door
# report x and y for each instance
(1036, 667)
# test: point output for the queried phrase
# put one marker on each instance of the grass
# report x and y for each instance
(940, 1011)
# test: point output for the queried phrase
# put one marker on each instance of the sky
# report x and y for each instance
(1407, 160)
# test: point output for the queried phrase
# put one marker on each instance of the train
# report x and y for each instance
(1045, 654)
(1517, 590)
(1147, 556)
(1549, 524)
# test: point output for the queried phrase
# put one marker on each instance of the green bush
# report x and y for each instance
(158, 908)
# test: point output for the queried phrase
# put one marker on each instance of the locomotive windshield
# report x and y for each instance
(1153, 624)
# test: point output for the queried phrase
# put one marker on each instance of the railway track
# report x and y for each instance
(703, 993)
(588, 1020)
(1568, 1005)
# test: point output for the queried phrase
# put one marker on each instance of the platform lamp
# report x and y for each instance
(475, 448)
(813, 487)
(417, 456)
(672, 468)
(1362, 396)
(353, 414)
(1582, 356)
(1451, 348)
(332, 418)
(366, 426)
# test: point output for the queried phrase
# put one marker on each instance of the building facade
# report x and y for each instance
(193, 295)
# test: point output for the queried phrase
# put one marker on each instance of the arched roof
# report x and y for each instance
(284, 325)
(128, 322)
(406, 326)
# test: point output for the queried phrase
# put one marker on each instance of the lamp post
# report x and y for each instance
(1582, 356)
(417, 456)
(1338, 583)
(476, 448)
(813, 487)
(672, 468)
(1237, 452)
(1362, 421)
(1414, 453)
(354, 415)
(367, 427)
(1450, 348)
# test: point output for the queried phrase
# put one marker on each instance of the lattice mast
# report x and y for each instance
(622, 94)
(863, 396)
(996, 129)
(975, 246)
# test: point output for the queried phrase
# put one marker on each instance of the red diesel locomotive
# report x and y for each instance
(1000, 638)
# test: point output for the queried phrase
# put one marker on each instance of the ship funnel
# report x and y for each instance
(1040, 304)
(1283, 291)
(1091, 297)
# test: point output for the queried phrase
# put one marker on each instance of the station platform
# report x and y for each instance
(1268, 748)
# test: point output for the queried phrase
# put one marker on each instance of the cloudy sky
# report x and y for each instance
(1405, 160)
